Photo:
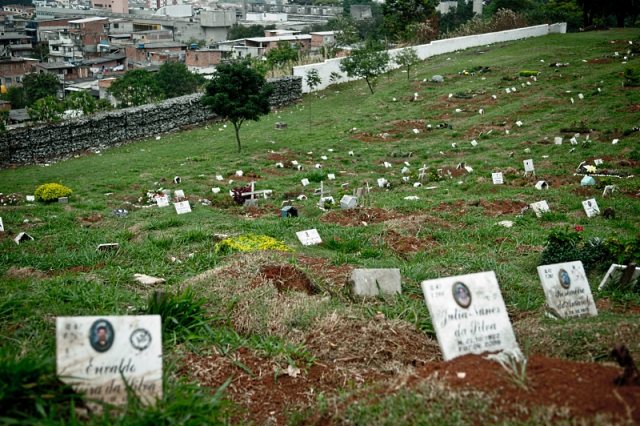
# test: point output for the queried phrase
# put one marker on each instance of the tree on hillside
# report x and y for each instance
(175, 79)
(136, 87)
(407, 58)
(367, 62)
(238, 93)
(39, 85)
(282, 55)
(47, 109)
(81, 101)
(313, 80)
(456, 16)
(17, 97)
(238, 31)
(401, 14)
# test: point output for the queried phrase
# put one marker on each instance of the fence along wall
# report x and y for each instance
(438, 47)
(43, 143)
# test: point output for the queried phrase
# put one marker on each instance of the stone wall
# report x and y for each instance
(44, 143)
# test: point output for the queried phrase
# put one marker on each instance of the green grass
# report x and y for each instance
(72, 278)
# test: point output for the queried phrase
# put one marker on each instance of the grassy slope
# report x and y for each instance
(81, 281)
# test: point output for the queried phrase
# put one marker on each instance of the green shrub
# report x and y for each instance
(528, 73)
(51, 192)
(183, 314)
(561, 246)
(632, 76)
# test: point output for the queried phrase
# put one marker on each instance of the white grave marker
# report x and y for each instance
(304, 182)
(31, 198)
(540, 207)
(591, 207)
(1, 225)
(219, 178)
(162, 201)
(95, 354)
(309, 237)
(497, 178)
(331, 176)
(23, 236)
(614, 274)
(179, 194)
(557, 140)
(528, 166)
(182, 207)
(469, 315)
(567, 290)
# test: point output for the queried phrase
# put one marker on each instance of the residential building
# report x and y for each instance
(322, 38)
(144, 55)
(25, 11)
(13, 70)
(90, 35)
(115, 6)
(205, 58)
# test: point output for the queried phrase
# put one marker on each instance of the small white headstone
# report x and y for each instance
(382, 182)
(528, 166)
(591, 207)
(541, 184)
(386, 165)
(31, 198)
(304, 182)
(279, 165)
(309, 237)
(219, 178)
(608, 190)
(23, 236)
(497, 178)
(331, 176)
(598, 161)
(215, 190)
(376, 282)
(162, 201)
(348, 202)
(614, 274)
(294, 163)
(178, 194)
(469, 315)
(405, 170)
(96, 355)
(108, 247)
(557, 140)
(540, 207)
(239, 173)
(474, 143)
(182, 207)
(519, 123)
(567, 290)
(324, 157)
(1, 225)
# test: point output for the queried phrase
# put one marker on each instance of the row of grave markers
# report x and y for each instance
(97, 354)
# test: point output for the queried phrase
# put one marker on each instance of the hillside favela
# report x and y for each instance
(319, 212)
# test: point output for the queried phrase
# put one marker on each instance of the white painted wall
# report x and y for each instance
(437, 47)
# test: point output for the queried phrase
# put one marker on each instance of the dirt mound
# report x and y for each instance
(262, 388)
(498, 208)
(24, 273)
(287, 278)
(406, 244)
(358, 217)
(321, 269)
(374, 137)
(586, 389)
(385, 345)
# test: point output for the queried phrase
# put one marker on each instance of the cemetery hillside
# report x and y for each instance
(435, 248)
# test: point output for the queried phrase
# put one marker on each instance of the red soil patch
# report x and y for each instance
(287, 278)
(476, 131)
(493, 208)
(586, 389)
(451, 172)
(24, 273)
(268, 392)
(599, 61)
(585, 191)
(335, 276)
(405, 244)
(605, 304)
(358, 217)
(633, 108)
(89, 221)
(281, 156)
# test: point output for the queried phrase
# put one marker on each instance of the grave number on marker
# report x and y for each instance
(309, 237)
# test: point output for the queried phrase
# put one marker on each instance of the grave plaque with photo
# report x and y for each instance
(497, 178)
(469, 315)
(528, 166)
(540, 208)
(567, 290)
(182, 207)
(309, 237)
(96, 355)
(162, 201)
(591, 207)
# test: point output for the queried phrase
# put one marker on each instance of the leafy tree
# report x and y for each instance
(237, 93)
(400, 14)
(514, 5)
(313, 79)
(175, 79)
(367, 62)
(16, 95)
(47, 109)
(407, 58)
(238, 31)
(457, 16)
(39, 85)
(82, 101)
(136, 87)
(282, 55)
(346, 31)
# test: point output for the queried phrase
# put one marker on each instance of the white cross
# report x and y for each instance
(253, 192)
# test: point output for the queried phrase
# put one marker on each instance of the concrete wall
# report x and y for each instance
(437, 47)
(48, 142)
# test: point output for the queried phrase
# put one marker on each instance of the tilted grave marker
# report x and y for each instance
(96, 355)
(591, 207)
(182, 207)
(540, 208)
(469, 315)
(567, 290)
(309, 237)
(1, 225)
(615, 274)
(375, 282)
